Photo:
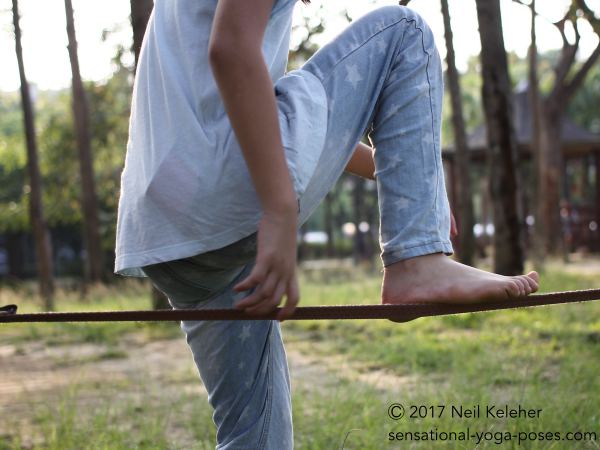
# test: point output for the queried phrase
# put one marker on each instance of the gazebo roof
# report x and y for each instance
(574, 138)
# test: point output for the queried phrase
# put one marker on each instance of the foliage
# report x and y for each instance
(109, 109)
(584, 106)
(109, 106)
(470, 83)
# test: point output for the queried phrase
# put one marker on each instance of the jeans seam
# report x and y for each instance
(431, 109)
(324, 81)
(436, 149)
(263, 436)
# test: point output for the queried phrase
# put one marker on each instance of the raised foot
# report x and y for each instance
(436, 278)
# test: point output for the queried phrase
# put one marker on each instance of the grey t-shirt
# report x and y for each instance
(185, 187)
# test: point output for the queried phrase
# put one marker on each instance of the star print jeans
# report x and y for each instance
(382, 75)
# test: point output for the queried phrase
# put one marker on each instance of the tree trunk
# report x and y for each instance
(330, 250)
(566, 83)
(535, 148)
(81, 118)
(550, 181)
(465, 217)
(496, 94)
(43, 245)
(595, 233)
(359, 250)
(140, 14)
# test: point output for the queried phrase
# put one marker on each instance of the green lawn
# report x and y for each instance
(543, 358)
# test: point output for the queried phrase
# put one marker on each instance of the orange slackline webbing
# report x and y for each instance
(396, 313)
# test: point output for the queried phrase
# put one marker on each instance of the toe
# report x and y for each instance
(534, 276)
(533, 285)
(525, 280)
(512, 288)
(522, 285)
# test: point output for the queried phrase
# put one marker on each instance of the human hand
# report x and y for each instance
(453, 227)
(275, 270)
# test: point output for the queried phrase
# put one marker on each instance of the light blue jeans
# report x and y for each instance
(383, 76)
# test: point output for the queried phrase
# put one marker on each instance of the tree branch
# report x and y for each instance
(563, 89)
(581, 74)
(577, 35)
(564, 65)
(589, 16)
(537, 14)
(568, 52)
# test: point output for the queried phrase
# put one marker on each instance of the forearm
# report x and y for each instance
(361, 163)
(247, 92)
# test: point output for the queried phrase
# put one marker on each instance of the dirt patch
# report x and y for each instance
(32, 368)
(35, 376)
(323, 371)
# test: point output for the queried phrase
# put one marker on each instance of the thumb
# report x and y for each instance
(249, 282)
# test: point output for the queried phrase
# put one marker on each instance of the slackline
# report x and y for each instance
(396, 313)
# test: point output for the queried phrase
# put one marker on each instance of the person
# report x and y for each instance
(228, 155)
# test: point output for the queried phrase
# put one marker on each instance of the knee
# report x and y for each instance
(395, 14)
(408, 20)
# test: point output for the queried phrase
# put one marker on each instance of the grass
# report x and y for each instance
(540, 358)
(125, 295)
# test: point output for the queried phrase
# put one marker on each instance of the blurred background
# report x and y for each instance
(79, 105)
(521, 150)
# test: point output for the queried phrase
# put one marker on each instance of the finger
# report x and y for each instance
(269, 303)
(453, 227)
(257, 275)
(264, 291)
(279, 292)
(293, 298)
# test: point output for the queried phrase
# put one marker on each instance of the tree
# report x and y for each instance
(583, 109)
(81, 119)
(328, 219)
(536, 113)
(36, 213)
(465, 216)
(569, 77)
(360, 251)
(502, 157)
(140, 14)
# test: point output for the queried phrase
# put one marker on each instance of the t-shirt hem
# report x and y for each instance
(131, 264)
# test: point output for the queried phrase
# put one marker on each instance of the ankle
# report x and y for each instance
(414, 264)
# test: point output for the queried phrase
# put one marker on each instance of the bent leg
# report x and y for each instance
(383, 73)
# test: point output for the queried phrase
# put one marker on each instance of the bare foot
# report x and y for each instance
(436, 278)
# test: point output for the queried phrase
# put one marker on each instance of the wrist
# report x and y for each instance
(282, 205)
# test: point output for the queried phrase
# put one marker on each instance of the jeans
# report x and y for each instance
(382, 75)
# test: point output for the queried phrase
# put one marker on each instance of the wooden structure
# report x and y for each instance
(580, 205)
